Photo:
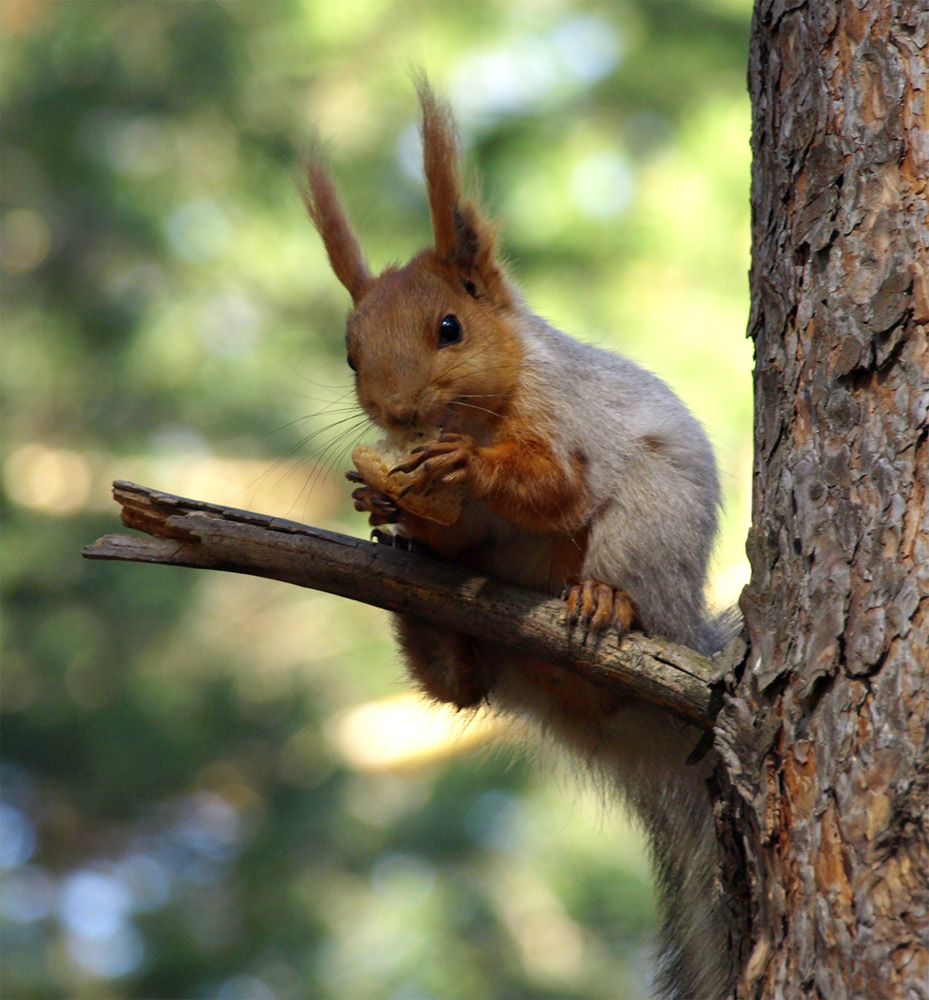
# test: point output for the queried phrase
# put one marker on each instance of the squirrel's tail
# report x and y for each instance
(720, 628)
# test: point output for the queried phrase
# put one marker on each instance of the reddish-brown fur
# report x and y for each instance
(409, 302)
(345, 254)
(440, 165)
(521, 479)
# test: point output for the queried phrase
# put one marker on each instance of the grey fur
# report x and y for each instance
(651, 473)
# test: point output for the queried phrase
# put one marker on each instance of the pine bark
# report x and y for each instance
(824, 790)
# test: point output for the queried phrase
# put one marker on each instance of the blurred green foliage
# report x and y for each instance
(177, 818)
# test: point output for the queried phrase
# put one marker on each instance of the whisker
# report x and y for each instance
(471, 373)
(309, 416)
(354, 421)
(471, 406)
(332, 401)
(332, 453)
(349, 386)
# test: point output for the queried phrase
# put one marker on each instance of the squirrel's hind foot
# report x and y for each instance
(597, 606)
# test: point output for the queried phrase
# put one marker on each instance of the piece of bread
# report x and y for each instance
(441, 504)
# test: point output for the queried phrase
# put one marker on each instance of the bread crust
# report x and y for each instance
(374, 462)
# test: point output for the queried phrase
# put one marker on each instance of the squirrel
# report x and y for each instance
(579, 473)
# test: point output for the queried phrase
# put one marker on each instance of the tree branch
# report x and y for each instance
(207, 536)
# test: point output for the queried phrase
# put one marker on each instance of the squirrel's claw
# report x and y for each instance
(597, 606)
(381, 507)
(443, 460)
(410, 466)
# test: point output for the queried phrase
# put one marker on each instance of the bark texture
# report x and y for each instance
(824, 741)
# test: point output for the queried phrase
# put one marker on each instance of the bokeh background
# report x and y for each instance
(219, 787)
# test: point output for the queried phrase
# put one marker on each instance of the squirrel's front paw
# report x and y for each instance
(596, 606)
(379, 506)
(444, 460)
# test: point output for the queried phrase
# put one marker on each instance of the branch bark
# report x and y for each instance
(202, 535)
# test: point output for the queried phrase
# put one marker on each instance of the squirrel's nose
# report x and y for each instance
(399, 412)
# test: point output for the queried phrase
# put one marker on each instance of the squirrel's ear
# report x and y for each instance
(345, 254)
(463, 239)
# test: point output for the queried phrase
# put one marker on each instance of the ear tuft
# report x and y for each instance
(475, 258)
(440, 165)
(340, 242)
(463, 240)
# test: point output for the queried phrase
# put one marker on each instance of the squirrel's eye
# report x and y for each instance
(351, 364)
(449, 331)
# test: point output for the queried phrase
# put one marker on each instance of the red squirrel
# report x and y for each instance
(578, 473)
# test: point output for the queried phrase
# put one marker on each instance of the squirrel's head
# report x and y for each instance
(429, 342)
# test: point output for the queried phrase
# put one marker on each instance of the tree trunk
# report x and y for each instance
(823, 794)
